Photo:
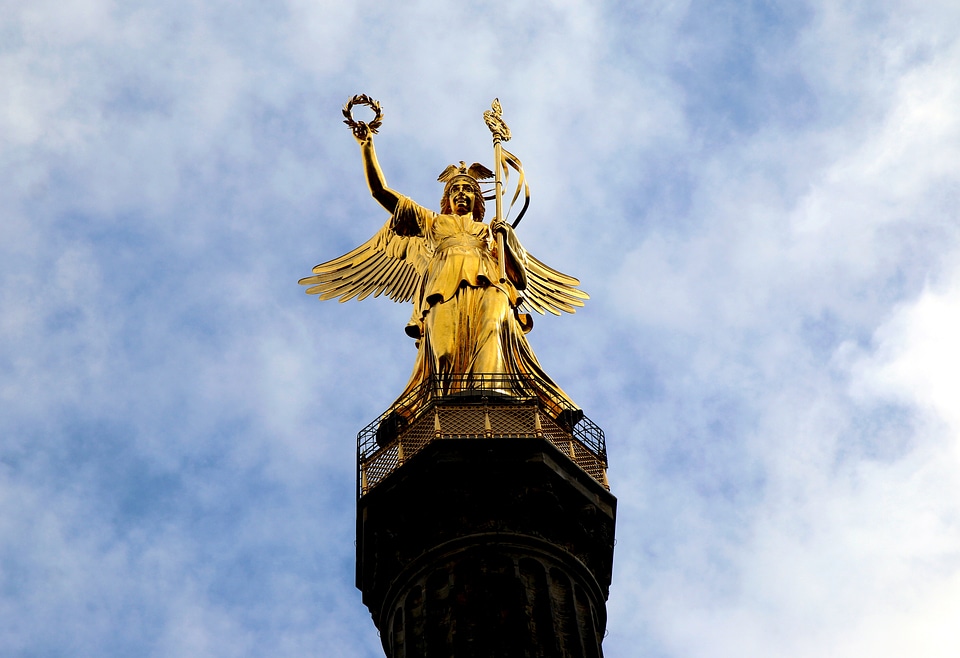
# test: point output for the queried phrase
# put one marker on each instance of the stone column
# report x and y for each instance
(487, 547)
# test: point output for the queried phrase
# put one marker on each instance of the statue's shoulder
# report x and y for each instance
(410, 218)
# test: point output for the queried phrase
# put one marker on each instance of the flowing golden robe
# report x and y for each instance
(470, 333)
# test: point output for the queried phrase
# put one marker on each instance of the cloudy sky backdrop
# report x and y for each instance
(762, 198)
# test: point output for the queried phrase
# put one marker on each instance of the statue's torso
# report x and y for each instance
(461, 253)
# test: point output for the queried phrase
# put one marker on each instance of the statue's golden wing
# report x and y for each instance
(549, 290)
(387, 263)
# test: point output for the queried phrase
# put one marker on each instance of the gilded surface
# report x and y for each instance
(470, 282)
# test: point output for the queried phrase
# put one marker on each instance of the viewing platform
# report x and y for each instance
(476, 407)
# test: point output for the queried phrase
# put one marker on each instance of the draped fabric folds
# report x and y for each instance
(471, 334)
(470, 327)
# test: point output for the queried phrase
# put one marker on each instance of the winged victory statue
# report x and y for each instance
(472, 284)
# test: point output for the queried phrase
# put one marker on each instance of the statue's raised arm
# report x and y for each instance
(468, 281)
(363, 132)
(375, 181)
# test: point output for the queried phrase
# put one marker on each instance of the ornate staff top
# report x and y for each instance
(494, 120)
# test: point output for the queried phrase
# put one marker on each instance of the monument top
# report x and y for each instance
(472, 285)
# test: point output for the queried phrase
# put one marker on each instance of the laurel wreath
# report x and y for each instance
(363, 99)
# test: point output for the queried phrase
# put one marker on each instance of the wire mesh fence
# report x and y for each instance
(478, 406)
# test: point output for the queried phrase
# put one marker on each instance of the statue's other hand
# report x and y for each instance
(361, 132)
(498, 225)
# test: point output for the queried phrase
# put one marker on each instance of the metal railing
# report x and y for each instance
(477, 406)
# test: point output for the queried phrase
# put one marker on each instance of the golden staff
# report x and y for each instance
(501, 133)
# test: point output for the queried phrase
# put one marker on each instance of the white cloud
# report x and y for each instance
(916, 357)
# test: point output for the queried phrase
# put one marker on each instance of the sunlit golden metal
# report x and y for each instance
(469, 282)
(501, 133)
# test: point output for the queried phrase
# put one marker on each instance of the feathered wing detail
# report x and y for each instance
(450, 172)
(479, 171)
(549, 290)
(387, 263)
(476, 171)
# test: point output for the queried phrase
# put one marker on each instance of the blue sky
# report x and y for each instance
(761, 198)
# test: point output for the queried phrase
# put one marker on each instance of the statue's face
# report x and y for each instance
(461, 195)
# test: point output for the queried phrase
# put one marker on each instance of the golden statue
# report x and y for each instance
(469, 281)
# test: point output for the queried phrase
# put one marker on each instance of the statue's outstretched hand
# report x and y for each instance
(498, 225)
(361, 132)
